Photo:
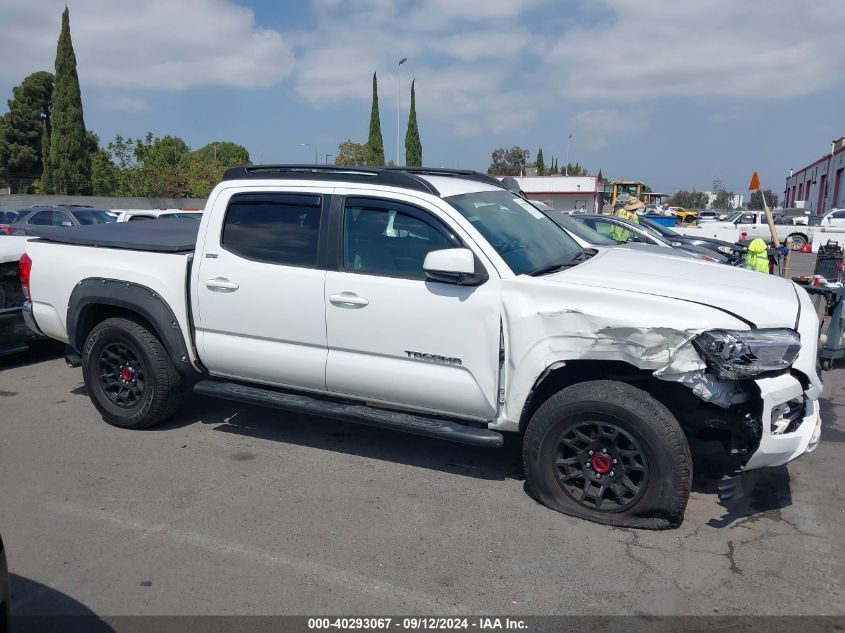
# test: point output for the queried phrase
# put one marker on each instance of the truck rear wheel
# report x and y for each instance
(796, 241)
(129, 375)
(610, 453)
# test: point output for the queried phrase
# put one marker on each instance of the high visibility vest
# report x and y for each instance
(619, 234)
(757, 257)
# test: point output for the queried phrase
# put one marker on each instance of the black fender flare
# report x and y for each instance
(134, 298)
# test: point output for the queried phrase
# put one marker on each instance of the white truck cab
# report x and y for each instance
(438, 302)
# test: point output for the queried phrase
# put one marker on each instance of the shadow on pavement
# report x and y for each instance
(352, 439)
(830, 428)
(764, 494)
(38, 352)
(37, 607)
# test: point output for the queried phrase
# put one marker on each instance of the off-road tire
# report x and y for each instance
(640, 418)
(161, 393)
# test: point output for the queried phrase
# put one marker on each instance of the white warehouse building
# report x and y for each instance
(566, 193)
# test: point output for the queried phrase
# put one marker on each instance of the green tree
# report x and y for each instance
(756, 201)
(104, 174)
(165, 166)
(413, 146)
(204, 167)
(22, 131)
(163, 171)
(601, 179)
(508, 162)
(689, 199)
(350, 153)
(575, 170)
(46, 172)
(70, 162)
(723, 200)
(375, 143)
(541, 165)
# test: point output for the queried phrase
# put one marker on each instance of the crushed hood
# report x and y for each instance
(763, 300)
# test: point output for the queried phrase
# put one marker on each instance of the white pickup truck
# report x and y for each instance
(440, 303)
(742, 225)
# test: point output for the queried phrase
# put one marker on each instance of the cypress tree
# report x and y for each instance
(69, 157)
(413, 146)
(46, 170)
(541, 165)
(375, 143)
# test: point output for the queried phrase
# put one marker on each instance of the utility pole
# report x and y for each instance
(399, 108)
(312, 147)
(327, 158)
(568, 144)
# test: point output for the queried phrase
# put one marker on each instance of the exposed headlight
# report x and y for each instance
(744, 354)
(727, 250)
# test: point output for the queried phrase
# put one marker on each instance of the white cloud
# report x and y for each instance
(649, 49)
(482, 66)
(595, 129)
(149, 45)
(121, 103)
(463, 54)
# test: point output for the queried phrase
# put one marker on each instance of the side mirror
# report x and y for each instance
(453, 266)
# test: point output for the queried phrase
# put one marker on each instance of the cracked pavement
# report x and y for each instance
(232, 509)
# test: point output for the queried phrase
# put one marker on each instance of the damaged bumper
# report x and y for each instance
(791, 423)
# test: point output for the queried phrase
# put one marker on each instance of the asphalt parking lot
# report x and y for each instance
(231, 509)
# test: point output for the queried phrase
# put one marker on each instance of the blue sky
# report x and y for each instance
(676, 94)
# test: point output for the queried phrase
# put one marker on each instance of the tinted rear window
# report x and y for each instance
(94, 217)
(274, 228)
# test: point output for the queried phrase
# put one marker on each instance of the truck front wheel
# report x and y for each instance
(610, 453)
(129, 375)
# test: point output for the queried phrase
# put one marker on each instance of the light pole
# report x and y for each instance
(568, 143)
(399, 106)
(327, 158)
(312, 147)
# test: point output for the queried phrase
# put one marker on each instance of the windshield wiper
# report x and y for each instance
(557, 265)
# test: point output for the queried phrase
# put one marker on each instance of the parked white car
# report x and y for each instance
(834, 217)
(132, 215)
(440, 303)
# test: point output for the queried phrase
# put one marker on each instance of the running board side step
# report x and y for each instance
(350, 412)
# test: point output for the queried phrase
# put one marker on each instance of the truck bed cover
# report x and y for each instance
(157, 236)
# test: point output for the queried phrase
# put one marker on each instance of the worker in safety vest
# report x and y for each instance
(627, 212)
(757, 257)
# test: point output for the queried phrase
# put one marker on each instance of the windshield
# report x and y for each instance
(659, 229)
(733, 217)
(525, 238)
(579, 229)
(94, 217)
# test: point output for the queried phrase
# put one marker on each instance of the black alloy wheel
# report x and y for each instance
(121, 374)
(601, 466)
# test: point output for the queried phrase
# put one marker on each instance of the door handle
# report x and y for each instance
(221, 284)
(348, 300)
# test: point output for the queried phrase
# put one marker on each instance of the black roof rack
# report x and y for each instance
(405, 177)
(467, 174)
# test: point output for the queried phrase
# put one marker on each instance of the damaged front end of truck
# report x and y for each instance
(746, 397)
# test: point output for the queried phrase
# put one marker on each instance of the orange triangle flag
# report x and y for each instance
(755, 182)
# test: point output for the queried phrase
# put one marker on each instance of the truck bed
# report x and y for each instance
(156, 236)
